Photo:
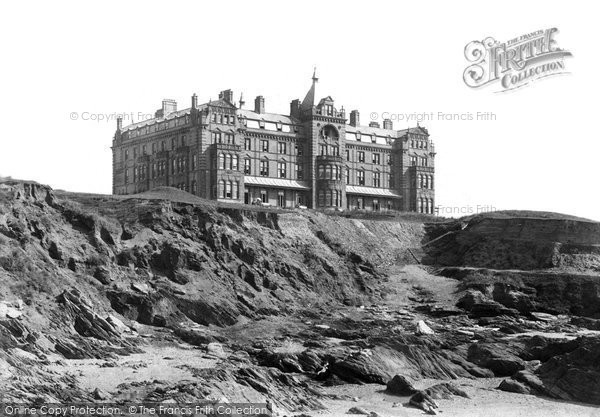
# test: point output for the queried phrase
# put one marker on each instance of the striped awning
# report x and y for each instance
(380, 192)
(275, 182)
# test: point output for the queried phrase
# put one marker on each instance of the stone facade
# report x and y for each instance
(314, 156)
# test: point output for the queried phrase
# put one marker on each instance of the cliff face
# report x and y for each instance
(160, 262)
(544, 263)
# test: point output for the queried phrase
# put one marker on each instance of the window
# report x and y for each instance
(264, 168)
(373, 139)
(228, 189)
(216, 137)
(361, 177)
(194, 187)
(413, 160)
(358, 136)
(376, 179)
(144, 150)
(127, 153)
(375, 205)
(361, 156)
(182, 140)
(247, 166)
(221, 161)
(321, 198)
(227, 162)
(321, 173)
(281, 148)
(153, 148)
(126, 176)
(162, 145)
(193, 162)
(281, 169)
(299, 172)
(388, 159)
(390, 181)
(347, 175)
(221, 189)
(265, 145)
(360, 203)
(281, 198)
(173, 142)
(247, 144)
(335, 150)
(236, 190)
(264, 197)
(229, 138)
(299, 150)
(376, 158)
(234, 162)
(322, 150)
(424, 162)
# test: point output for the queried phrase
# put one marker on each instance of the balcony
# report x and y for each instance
(334, 159)
(421, 169)
(227, 147)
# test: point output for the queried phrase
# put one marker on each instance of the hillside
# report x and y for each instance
(186, 299)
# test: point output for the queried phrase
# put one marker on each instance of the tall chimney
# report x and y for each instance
(354, 118)
(226, 95)
(295, 108)
(119, 123)
(259, 104)
(388, 124)
(242, 102)
(194, 101)
(168, 106)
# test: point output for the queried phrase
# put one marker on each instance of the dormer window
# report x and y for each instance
(261, 124)
(358, 136)
(279, 126)
(329, 110)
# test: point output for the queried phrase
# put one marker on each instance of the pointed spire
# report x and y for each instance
(309, 100)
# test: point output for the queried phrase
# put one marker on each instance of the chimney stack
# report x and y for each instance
(259, 104)
(295, 108)
(388, 124)
(354, 118)
(373, 124)
(168, 106)
(194, 101)
(242, 102)
(119, 123)
(226, 95)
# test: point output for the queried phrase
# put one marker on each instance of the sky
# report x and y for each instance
(66, 63)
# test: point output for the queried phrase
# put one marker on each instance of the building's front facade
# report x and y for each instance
(314, 156)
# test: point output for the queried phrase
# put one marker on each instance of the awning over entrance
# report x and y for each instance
(379, 192)
(275, 182)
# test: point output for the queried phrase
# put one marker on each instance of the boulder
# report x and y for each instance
(400, 385)
(510, 385)
(423, 329)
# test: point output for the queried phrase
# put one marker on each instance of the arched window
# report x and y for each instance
(228, 189)
(234, 162)
(328, 198)
(227, 162)
(321, 198)
(236, 190)
(420, 205)
(221, 190)
(329, 171)
(221, 161)
(321, 171)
